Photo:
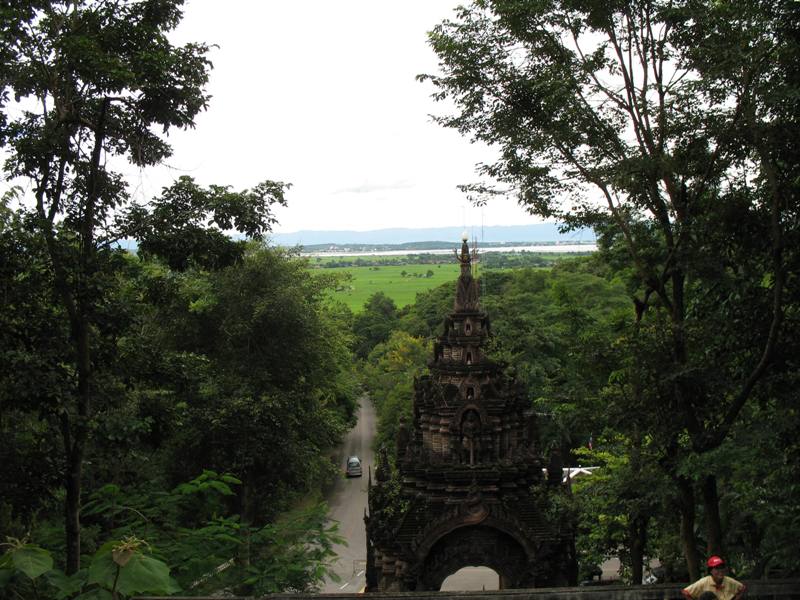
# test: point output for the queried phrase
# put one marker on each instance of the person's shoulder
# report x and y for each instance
(736, 584)
(699, 585)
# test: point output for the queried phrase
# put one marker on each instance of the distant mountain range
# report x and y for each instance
(540, 232)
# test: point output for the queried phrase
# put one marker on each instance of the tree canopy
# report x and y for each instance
(667, 127)
(86, 85)
(89, 80)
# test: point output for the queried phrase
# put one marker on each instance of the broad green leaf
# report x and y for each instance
(144, 574)
(5, 577)
(221, 487)
(103, 569)
(173, 588)
(96, 594)
(107, 547)
(67, 585)
(32, 560)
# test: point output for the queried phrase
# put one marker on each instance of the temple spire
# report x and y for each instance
(467, 286)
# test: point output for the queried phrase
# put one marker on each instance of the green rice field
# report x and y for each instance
(402, 281)
(365, 281)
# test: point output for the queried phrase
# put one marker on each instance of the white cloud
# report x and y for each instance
(366, 188)
(323, 95)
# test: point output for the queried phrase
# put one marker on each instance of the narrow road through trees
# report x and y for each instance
(347, 500)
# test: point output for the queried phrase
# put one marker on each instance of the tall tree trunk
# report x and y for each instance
(72, 509)
(80, 317)
(637, 540)
(637, 519)
(74, 426)
(246, 510)
(75, 453)
(711, 509)
(686, 494)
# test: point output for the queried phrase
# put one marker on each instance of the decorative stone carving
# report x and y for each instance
(467, 467)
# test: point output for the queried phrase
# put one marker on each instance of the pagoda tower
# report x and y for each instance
(468, 488)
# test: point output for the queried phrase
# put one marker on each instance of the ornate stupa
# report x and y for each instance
(468, 487)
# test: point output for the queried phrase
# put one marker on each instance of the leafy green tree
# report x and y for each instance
(757, 470)
(620, 502)
(187, 224)
(263, 363)
(425, 316)
(666, 127)
(553, 330)
(172, 374)
(94, 80)
(85, 357)
(388, 375)
(193, 542)
(374, 324)
(93, 83)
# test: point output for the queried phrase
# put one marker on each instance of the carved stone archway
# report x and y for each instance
(475, 546)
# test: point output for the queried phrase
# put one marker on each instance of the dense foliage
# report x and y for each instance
(388, 376)
(124, 377)
(89, 80)
(207, 370)
(176, 406)
(540, 319)
(671, 128)
(374, 324)
(289, 555)
(571, 336)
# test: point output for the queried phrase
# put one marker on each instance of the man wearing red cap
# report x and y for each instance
(723, 587)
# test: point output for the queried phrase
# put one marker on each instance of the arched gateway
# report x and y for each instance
(469, 488)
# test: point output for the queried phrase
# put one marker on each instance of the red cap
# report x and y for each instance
(715, 561)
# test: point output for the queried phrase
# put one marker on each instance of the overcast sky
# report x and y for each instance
(322, 94)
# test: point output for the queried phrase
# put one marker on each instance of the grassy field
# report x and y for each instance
(401, 282)
(365, 281)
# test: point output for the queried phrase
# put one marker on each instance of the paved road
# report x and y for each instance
(347, 500)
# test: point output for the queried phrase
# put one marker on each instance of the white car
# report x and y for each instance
(353, 467)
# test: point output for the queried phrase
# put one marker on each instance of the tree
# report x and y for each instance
(186, 226)
(389, 374)
(425, 316)
(262, 363)
(92, 82)
(374, 324)
(617, 502)
(32, 345)
(666, 126)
